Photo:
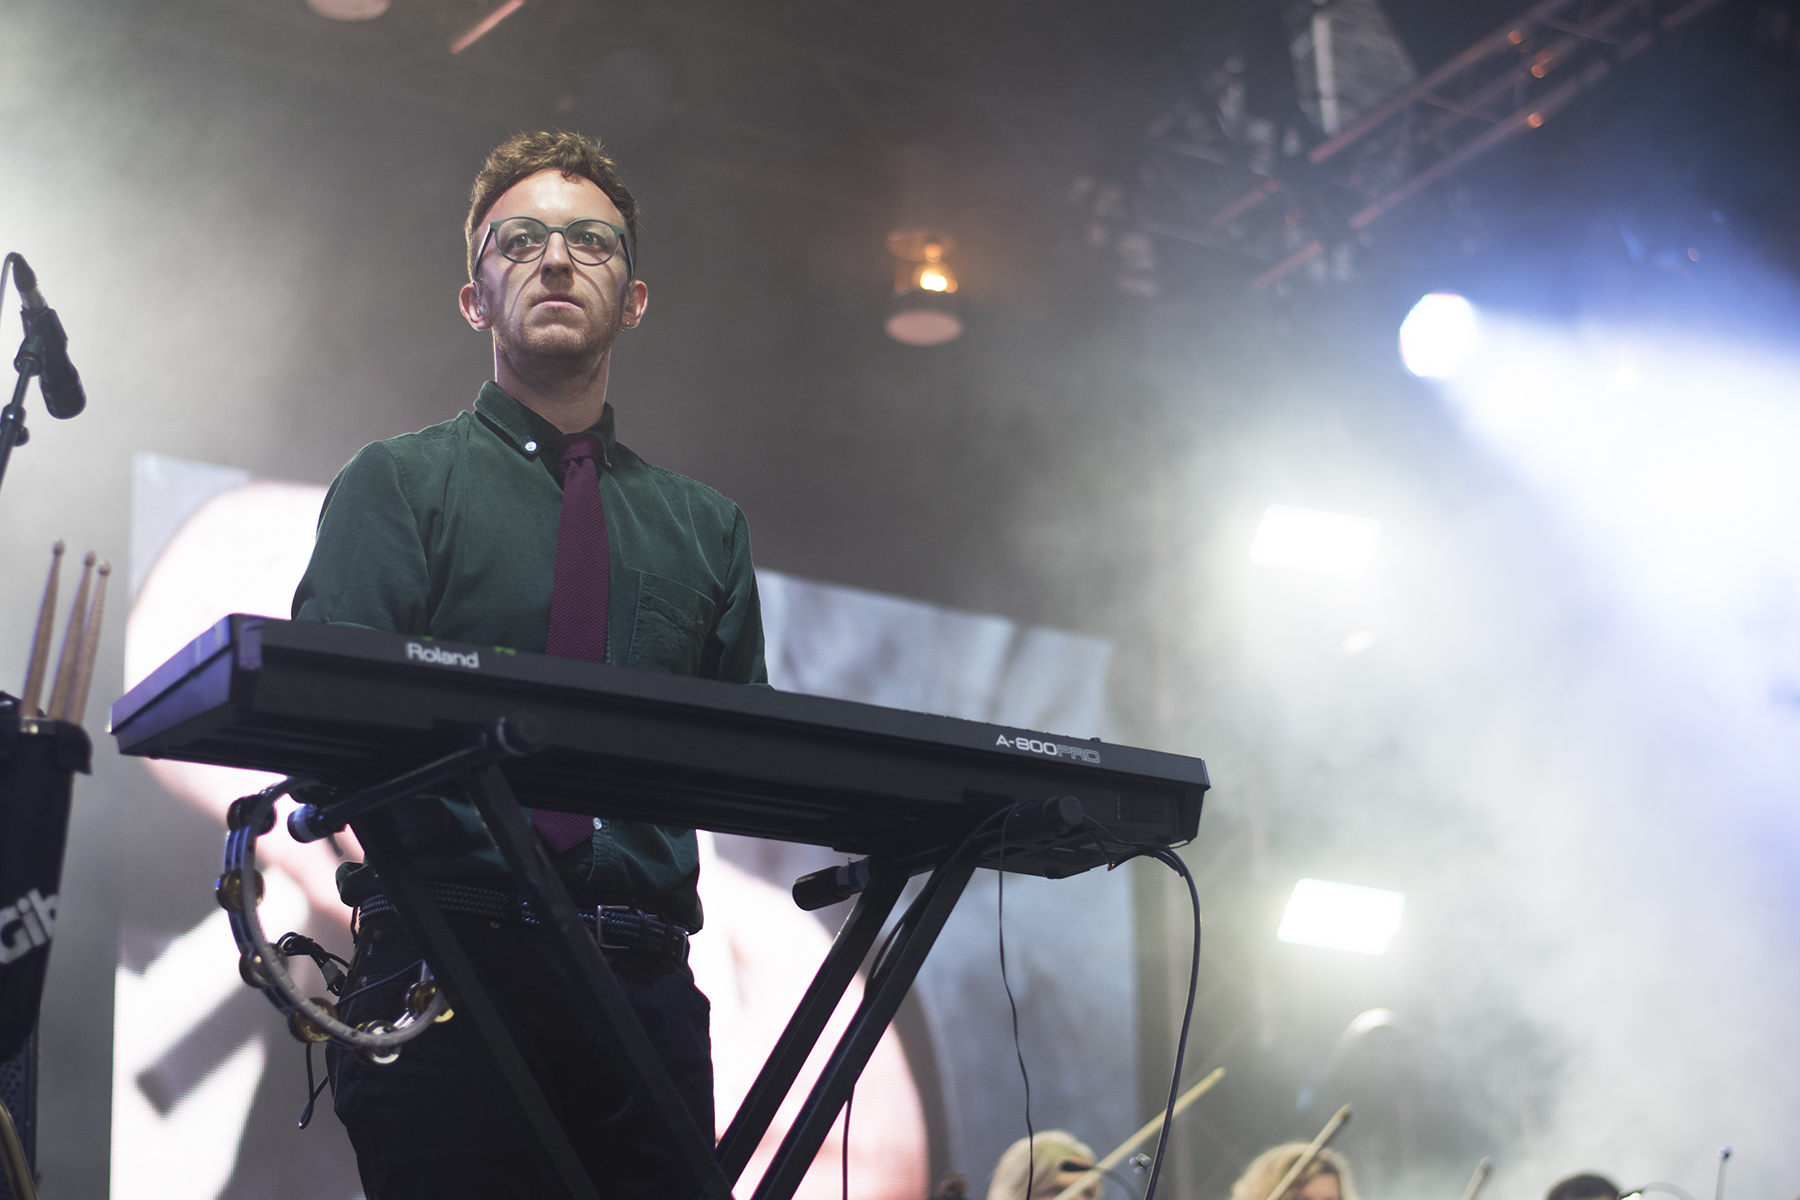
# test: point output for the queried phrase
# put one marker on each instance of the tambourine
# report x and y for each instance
(311, 1019)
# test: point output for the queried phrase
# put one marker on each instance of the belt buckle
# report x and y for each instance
(600, 911)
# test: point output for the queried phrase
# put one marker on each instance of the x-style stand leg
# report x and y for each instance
(886, 988)
(603, 1006)
(469, 998)
(596, 991)
(805, 1027)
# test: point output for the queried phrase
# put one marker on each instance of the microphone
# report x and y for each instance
(57, 377)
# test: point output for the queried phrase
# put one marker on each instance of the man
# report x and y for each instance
(524, 524)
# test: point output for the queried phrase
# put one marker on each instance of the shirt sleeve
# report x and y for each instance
(368, 562)
(737, 649)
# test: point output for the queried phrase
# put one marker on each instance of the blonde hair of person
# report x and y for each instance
(1267, 1169)
(1043, 1155)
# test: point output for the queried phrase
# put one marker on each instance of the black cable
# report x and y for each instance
(291, 944)
(332, 969)
(1174, 863)
(875, 964)
(1102, 836)
(1110, 844)
(346, 998)
(1013, 1004)
(312, 1093)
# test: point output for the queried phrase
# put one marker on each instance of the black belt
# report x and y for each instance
(620, 927)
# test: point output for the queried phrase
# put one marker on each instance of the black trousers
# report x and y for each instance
(438, 1123)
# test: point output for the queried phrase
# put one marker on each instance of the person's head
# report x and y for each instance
(551, 234)
(1326, 1177)
(523, 155)
(1584, 1187)
(1053, 1160)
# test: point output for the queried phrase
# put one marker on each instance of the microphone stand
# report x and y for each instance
(29, 361)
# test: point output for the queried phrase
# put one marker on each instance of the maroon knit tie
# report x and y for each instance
(578, 596)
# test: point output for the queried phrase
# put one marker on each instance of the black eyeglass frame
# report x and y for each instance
(494, 227)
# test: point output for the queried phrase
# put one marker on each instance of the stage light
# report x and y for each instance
(934, 277)
(1308, 539)
(1438, 335)
(925, 311)
(924, 318)
(1341, 916)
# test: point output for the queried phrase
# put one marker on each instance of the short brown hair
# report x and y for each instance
(523, 155)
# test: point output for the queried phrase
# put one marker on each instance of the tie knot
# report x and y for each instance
(577, 446)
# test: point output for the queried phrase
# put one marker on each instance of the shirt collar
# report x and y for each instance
(529, 433)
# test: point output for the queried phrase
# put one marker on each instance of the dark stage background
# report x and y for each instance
(1557, 712)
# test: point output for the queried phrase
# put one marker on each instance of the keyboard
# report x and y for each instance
(349, 706)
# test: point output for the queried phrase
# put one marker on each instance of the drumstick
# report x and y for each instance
(1479, 1179)
(1339, 1119)
(90, 645)
(71, 646)
(1088, 1177)
(40, 641)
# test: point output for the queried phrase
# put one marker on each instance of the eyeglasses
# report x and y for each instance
(591, 242)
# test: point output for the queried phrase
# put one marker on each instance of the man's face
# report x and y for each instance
(553, 316)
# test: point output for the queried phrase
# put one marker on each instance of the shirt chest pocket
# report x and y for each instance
(668, 631)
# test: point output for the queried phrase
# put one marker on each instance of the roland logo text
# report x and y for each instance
(418, 652)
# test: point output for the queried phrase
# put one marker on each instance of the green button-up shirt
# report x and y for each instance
(451, 533)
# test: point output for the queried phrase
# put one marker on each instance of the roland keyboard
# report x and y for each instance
(350, 706)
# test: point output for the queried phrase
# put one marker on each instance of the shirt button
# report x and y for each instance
(531, 447)
(597, 824)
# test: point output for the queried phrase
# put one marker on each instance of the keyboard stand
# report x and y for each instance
(577, 959)
(330, 706)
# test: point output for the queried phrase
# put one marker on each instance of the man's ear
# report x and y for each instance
(474, 310)
(637, 299)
